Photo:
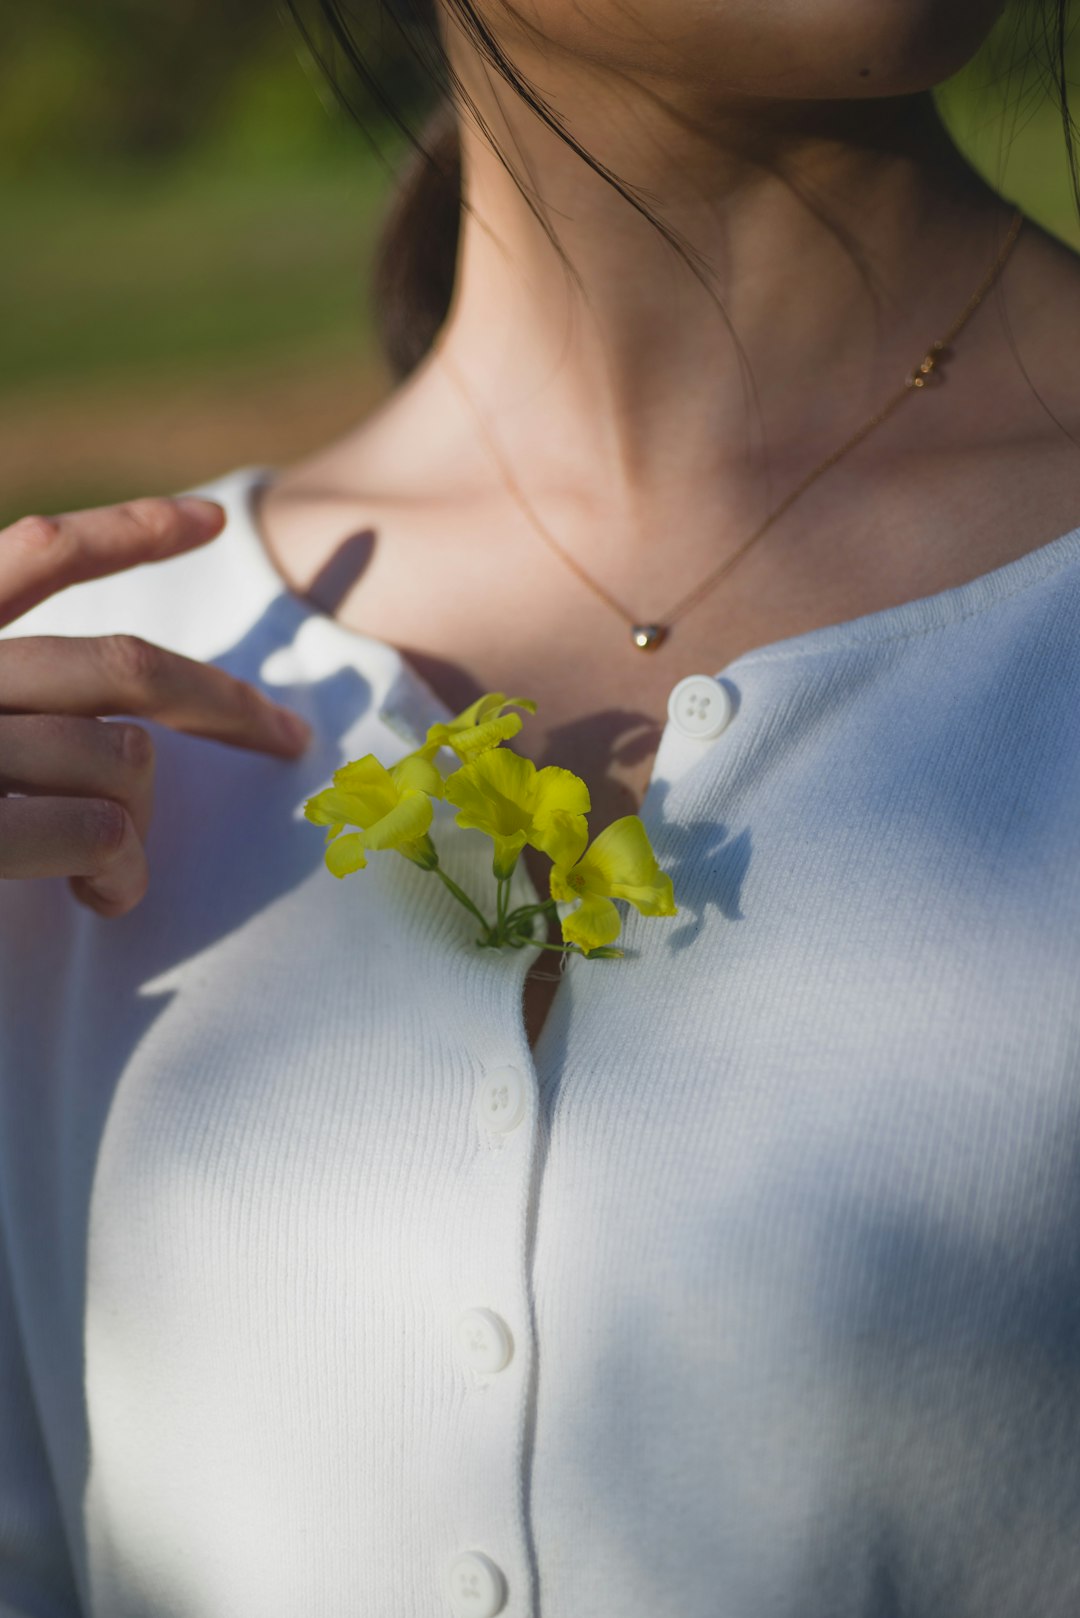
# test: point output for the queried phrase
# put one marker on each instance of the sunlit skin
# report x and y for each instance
(654, 422)
(638, 363)
(715, 52)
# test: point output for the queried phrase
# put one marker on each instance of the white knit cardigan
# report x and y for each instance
(768, 1305)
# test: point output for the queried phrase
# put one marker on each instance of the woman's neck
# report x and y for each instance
(834, 241)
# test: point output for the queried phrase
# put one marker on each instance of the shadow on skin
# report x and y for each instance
(624, 737)
(345, 567)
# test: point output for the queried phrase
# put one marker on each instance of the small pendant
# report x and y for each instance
(646, 637)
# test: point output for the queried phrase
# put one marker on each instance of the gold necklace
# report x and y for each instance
(648, 636)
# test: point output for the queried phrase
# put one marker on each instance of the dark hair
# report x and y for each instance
(416, 259)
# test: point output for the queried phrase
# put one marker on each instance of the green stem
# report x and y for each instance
(500, 909)
(462, 898)
(524, 912)
(559, 949)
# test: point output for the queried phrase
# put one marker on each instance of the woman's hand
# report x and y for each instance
(85, 787)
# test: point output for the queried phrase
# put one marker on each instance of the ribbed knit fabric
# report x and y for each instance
(787, 1241)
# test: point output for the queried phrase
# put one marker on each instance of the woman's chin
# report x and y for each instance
(832, 49)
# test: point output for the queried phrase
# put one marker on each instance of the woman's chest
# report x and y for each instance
(878, 918)
(875, 1095)
(773, 1183)
(858, 1011)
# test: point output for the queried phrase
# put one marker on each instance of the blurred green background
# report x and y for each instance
(188, 218)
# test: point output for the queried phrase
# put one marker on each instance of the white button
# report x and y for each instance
(475, 1586)
(500, 1101)
(484, 1340)
(699, 706)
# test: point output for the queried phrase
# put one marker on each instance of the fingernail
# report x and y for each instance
(296, 731)
(207, 512)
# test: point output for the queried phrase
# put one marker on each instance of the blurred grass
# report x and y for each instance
(163, 322)
(169, 311)
(133, 294)
(130, 274)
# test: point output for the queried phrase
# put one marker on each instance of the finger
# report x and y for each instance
(92, 839)
(124, 674)
(42, 555)
(81, 758)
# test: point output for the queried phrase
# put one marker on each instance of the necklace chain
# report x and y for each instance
(647, 636)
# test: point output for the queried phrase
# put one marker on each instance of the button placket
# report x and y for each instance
(700, 710)
(485, 1343)
(488, 1335)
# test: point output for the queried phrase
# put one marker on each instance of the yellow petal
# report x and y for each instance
(417, 774)
(345, 855)
(477, 711)
(477, 727)
(468, 743)
(360, 773)
(560, 790)
(318, 811)
(488, 706)
(422, 853)
(405, 823)
(568, 836)
(507, 851)
(620, 862)
(370, 782)
(559, 886)
(437, 736)
(332, 805)
(595, 922)
(561, 837)
(561, 801)
(656, 898)
(494, 792)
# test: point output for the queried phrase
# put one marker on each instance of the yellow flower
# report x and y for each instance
(391, 806)
(620, 864)
(507, 797)
(482, 725)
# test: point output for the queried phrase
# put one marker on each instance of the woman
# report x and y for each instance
(737, 1276)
